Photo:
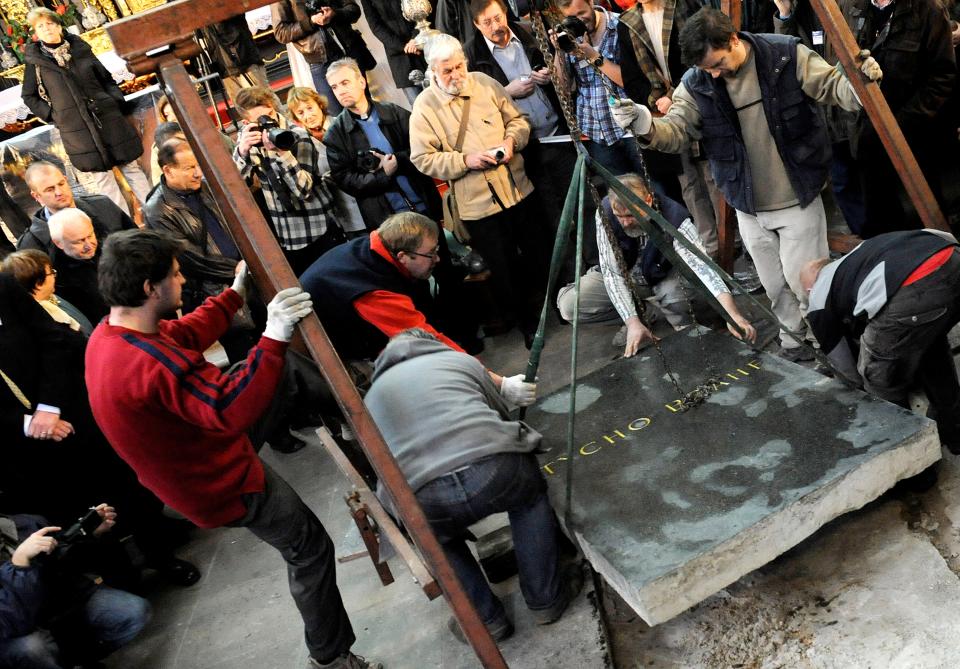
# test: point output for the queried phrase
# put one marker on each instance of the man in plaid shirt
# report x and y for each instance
(300, 205)
(594, 67)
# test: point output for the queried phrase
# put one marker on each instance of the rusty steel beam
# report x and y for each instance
(271, 272)
(877, 109)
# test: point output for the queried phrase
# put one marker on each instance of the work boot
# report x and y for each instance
(797, 354)
(287, 443)
(570, 586)
(348, 661)
(500, 630)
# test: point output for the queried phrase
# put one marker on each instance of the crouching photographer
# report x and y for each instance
(52, 615)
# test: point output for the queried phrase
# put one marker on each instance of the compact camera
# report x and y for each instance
(567, 32)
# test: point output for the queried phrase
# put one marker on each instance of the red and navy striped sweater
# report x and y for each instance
(177, 420)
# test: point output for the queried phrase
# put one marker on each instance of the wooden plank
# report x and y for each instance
(384, 521)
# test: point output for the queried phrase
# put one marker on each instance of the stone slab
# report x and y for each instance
(671, 507)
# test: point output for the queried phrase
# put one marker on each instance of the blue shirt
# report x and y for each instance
(514, 62)
(406, 198)
(593, 109)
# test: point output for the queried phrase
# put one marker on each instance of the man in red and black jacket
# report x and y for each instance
(882, 313)
(372, 288)
(182, 425)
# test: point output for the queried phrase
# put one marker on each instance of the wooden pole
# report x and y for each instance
(131, 37)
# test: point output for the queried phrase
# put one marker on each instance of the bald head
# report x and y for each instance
(48, 186)
(810, 272)
(72, 232)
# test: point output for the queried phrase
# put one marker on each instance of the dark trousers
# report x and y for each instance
(515, 245)
(887, 208)
(905, 345)
(846, 187)
(509, 482)
(280, 518)
(301, 259)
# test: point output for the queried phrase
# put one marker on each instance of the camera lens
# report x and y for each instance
(499, 155)
(282, 139)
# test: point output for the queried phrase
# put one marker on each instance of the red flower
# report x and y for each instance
(20, 42)
(10, 30)
(61, 9)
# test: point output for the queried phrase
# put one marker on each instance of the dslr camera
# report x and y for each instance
(280, 138)
(567, 32)
(368, 160)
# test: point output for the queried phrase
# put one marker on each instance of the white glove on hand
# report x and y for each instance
(518, 392)
(240, 279)
(870, 67)
(284, 311)
(631, 116)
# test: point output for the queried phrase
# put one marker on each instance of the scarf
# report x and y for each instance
(60, 53)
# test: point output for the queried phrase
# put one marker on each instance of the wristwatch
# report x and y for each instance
(598, 61)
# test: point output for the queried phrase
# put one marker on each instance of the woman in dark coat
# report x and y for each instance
(65, 84)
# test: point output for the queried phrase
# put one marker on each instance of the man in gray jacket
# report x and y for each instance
(466, 459)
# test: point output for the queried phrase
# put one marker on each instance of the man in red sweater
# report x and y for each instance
(182, 425)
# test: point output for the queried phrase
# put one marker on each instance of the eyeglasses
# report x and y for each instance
(499, 19)
(52, 272)
(433, 255)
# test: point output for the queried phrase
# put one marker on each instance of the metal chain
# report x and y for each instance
(701, 392)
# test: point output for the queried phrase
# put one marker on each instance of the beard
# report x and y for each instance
(633, 232)
(453, 88)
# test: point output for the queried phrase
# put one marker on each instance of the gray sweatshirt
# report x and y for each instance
(439, 410)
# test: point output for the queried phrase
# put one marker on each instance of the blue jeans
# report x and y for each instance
(108, 620)
(509, 482)
(319, 73)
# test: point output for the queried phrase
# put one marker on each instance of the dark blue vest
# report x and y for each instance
(653, 264)
(793, 120)
(345, 273)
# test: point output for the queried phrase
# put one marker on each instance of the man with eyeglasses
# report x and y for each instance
(372, 288)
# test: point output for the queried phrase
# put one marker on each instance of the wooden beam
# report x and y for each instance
(876, 107)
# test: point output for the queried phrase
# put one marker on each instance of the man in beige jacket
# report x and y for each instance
(493, 195)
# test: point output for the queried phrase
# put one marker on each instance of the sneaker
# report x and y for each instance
(348, 661)
(570, 587)
(797, 354)
(500, 630)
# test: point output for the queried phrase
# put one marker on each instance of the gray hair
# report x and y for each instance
(414, 333)
(442, 47)
(57, 222)
(348, 63)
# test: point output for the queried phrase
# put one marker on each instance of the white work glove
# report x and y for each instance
(518, 392)
(284, 311)
(240, 279)
(870, 67)
(631, 116)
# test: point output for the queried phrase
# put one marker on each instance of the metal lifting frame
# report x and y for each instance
(157, 41)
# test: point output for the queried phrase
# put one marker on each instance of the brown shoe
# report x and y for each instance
(348, 661)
